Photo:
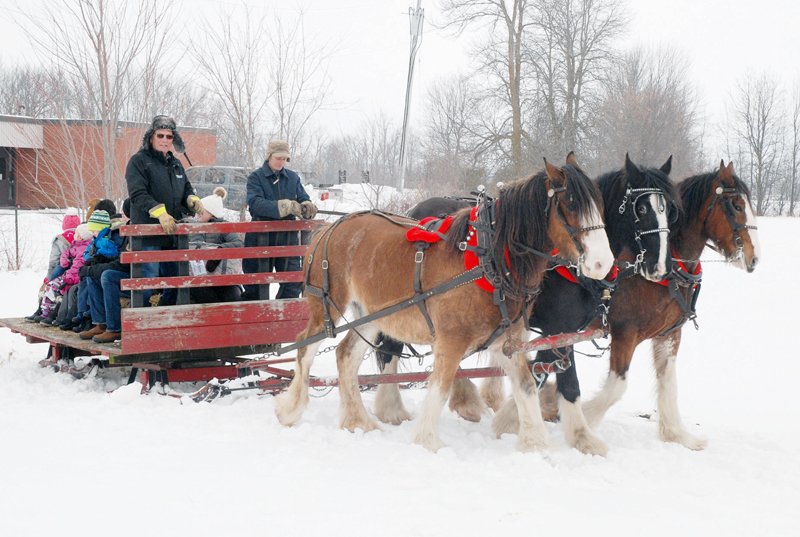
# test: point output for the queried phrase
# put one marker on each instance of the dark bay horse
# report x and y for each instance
(639, 203)
(371, 267)
(716, 207)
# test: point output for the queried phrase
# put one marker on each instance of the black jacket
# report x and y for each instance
(154, 179)
(265, 188)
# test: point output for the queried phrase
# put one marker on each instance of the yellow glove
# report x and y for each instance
(309, 210)
(164, 218)
(194, 203)
(287, 207)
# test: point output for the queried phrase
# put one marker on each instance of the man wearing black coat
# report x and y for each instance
(275, 193)
(160, 192)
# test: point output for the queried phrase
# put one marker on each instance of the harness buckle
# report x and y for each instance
(324, 264)
(418, 257)
(462, 246)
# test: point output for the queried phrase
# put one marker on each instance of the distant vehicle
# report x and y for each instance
(205, 179)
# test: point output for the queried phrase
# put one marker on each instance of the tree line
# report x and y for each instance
(548, 77)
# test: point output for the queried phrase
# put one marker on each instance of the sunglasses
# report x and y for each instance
(167, 136)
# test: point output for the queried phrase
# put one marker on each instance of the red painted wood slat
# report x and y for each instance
(158, 256)
(139, 230)
(211, 280)
(222, 314)
(210, 337)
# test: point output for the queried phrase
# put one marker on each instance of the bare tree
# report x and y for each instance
(231, 57)
(794, 149)
(570, 51)
(501, 56)
(299, 78)
(649, 110)
(97, 44)
(756, 119)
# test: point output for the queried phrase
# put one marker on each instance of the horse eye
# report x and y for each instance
(642, 209)
(738, 208)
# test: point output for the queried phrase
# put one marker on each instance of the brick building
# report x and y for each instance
(55, 163)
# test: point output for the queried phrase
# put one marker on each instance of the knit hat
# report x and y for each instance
(83, 231)
(279, 148)
(213, 203)
(99, 220)
(71, 219)
(164, 122)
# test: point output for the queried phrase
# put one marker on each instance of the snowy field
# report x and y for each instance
(78, 460)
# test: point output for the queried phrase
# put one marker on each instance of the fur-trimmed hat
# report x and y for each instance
(164, 122)
(213, 203)
(279, 148)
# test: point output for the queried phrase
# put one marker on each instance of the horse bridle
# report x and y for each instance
(573, 232)
(727, 208)
(630, 199)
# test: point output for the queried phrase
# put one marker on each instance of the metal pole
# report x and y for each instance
(16, 232)
(416, 18)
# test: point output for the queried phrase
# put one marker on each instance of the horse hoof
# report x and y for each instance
(685, 439)
(289, 408)
(587, 443)
(431, 443)
(507, 419)
(365, 425)
(531, 443)
(394, 417)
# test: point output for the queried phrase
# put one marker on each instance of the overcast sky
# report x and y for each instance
(725, 39)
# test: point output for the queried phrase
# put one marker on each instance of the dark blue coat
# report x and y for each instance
(265, 188)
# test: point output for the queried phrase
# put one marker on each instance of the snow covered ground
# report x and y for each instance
(78, 460)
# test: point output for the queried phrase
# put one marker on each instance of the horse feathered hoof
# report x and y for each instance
(586, 442)
(365, 424)
(429, 442)
(288, 409)
(467, 402)
(506, 421)
(684, 438)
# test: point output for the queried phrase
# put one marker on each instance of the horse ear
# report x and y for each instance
(725, 172)
(571, 160)
(667, 167)
(630, 167)
(730, 168)
(554, 174)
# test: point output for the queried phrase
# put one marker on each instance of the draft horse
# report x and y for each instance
(368, 265)
(639, 204)
(716, 208)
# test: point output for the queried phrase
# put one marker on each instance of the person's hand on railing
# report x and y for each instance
(308, 209)
(164, 218)
(287, 207)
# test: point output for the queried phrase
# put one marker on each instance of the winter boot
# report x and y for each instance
(37, 313)
(107, 337)
(96, 330)
(84, 323)
(50, 317)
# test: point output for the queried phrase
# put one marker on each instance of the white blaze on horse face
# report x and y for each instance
(599, 258)
(751, 221)
(659, 208)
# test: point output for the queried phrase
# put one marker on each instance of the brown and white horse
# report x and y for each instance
(716, 207)
(371, 267)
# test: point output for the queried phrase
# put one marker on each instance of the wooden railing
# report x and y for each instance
(186, 327)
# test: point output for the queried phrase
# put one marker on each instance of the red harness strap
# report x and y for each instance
(418, 234)
(471, 259)
(697, 271)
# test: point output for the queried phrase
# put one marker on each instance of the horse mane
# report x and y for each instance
(522, 219)
(613, 186)
(695, 191)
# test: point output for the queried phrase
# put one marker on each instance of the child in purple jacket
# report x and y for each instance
(71, 260)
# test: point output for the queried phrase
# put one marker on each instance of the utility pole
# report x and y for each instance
(416, 17)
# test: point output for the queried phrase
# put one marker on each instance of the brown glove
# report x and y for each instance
(287, 207)
(309, 210)
(167, 223)
(194, 203)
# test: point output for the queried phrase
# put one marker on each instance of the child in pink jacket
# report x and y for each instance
(71, 260)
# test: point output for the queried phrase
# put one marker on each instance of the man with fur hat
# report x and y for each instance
(160, 192)
(275, 193)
